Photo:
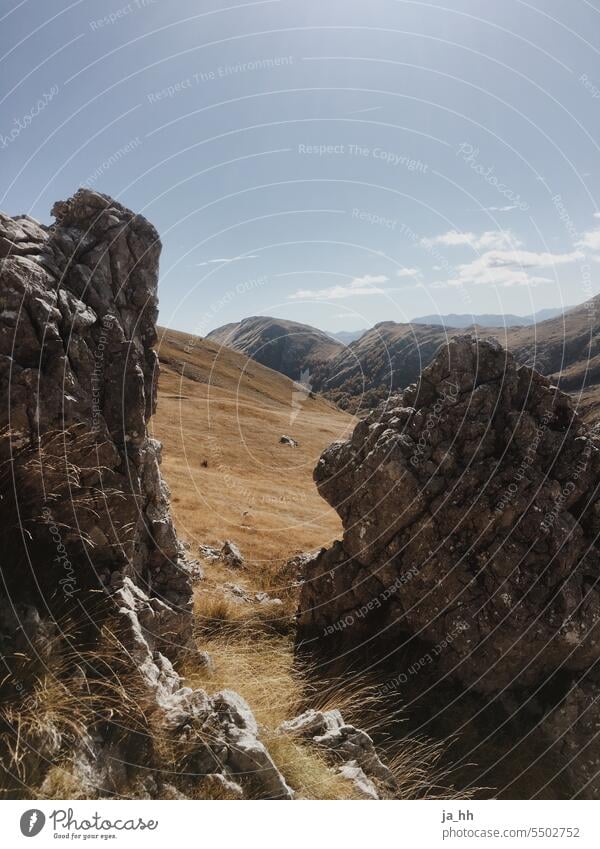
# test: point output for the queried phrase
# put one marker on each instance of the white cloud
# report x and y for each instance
(226, 259)
(367, 285)
(510, 268)
(528, 259)
(484, 241)
(590, 240)
(408, 272)
(503, 262)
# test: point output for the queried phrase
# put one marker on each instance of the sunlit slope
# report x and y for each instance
(220, 418)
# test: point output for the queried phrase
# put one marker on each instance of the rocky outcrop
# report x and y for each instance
(471, 513)
(84, 512)
(351, 750)
(78, 382)
(86, 530)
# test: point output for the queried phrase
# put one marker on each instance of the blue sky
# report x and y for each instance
(338, 162)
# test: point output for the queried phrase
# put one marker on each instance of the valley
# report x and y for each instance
(385, 359)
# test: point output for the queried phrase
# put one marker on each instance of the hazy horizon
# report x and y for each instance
(365, 328)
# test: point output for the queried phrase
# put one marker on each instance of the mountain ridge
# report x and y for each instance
(464, 320)
(391, 355)
(288, 347)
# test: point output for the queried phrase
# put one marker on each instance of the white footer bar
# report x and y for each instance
(296, 825)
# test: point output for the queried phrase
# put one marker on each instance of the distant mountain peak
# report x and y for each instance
(283, 345)
(463, 320)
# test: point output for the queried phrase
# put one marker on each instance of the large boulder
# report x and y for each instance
(78, 382)
(471, 513)
(88, 544)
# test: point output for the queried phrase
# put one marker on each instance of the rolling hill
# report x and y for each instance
(567, 349)
(220, 419)
(384, 359)
(388, 357)
(285, 346)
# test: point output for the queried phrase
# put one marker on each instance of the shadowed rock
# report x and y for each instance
(78, 382)
(471, 515)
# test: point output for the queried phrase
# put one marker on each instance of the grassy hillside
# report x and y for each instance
(220, 417)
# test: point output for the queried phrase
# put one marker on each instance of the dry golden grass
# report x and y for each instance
(50, 711)
(260, 668)
(230, 412)
(55, 707)
(220, 417)
(259, 664)
(307, 771)
(217, 610)
(60, 783)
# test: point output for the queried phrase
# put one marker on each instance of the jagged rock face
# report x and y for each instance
(78, 383)
(471, 514)
(78, 380)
